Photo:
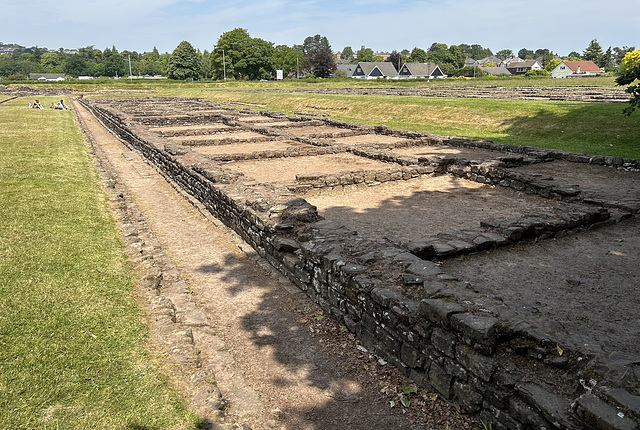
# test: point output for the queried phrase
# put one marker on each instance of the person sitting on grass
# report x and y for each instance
(37, 105)
(62, 106)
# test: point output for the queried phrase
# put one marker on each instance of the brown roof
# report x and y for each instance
(585, 66)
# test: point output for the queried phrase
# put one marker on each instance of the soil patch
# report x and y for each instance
(284, 170)
(586, 285)
(421, 207)
(244, 148)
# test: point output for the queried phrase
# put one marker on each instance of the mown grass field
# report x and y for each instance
(72, 336)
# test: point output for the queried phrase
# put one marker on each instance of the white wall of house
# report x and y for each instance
(561, 71)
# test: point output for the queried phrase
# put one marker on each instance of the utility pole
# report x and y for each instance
(224, 66)
(130, 77)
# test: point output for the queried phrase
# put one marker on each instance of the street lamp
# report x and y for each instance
(224, 66)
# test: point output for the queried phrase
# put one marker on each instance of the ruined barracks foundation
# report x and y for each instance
(392, 292)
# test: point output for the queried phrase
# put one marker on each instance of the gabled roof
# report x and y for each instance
(492, 59)
(46, 76)
(522, 64)
(380, 69)
(420, 69)
(585, 66)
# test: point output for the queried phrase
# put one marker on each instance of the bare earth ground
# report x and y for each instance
(281, 364)
(421, 207)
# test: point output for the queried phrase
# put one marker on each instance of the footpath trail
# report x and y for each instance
(277, 361)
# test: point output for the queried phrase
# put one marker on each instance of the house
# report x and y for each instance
(47, 76)
(491, 59)
(366, 70)
(575, 69)
(349, 68)
(421, 70)
(521, 67)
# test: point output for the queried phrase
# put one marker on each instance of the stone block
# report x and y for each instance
(599, 415)
(480, 365)
(425, 269)
(467, 397)
(475, 328)
(385, 297)
(555, 409)
(438, 311)
(440, 380)
(443, 342)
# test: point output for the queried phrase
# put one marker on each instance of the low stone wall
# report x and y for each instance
(404, 307)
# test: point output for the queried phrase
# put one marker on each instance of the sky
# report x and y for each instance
(382, 25)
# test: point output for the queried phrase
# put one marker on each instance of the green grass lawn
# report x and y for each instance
(72, 337)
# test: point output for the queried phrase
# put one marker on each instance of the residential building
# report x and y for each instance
(575, 69)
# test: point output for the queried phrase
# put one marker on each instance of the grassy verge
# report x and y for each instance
(72, 337)
(594, 128)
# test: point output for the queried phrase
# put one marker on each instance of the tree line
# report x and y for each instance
(237, 55)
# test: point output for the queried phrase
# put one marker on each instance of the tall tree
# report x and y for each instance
(593, 52)
(114, 63)
(347, 53)
(504, 54)
(418, 55)
(231, 47)
(619, 53)
(318, 56)
(257, 61)
(366, 55)
(287, 59)
(395, 58)
(526, 54)
(184, 62)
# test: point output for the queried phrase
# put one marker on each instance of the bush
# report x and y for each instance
(539, 73)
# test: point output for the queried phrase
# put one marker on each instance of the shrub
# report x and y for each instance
(539, 73)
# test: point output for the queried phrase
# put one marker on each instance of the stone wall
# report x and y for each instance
(469, 352)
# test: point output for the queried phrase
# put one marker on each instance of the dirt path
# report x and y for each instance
(279, 363)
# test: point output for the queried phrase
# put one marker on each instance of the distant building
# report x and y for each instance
(421, 70)
(374, 70)
(575, 69)
(47, 77)
(519, 68)
(349, 68)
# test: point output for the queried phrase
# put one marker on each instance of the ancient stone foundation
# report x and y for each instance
(392, 292)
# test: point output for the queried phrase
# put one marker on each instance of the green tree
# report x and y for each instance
(257, 61)
(114, 63)
(504, 54)
(537, 73)
(75, 65)
(593, 52)
(526, 54)
(205, 64)
(184, 62)
(52, 62)
(630, 74)
(552, 64)
(449, 59)
(287, 59)
(418, 55)
(230, 47)
(366, 55)
(619, 53)
(396, 59)
(151, 64)
(547, 57)
(347, 54)
(318, 56)
(475, 51)
(574, 54)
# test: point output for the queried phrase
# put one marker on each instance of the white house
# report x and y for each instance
(575, 69)
(47, 76)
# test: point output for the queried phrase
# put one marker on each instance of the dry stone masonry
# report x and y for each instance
(392, 291)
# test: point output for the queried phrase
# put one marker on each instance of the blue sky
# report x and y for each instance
(383, 25)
